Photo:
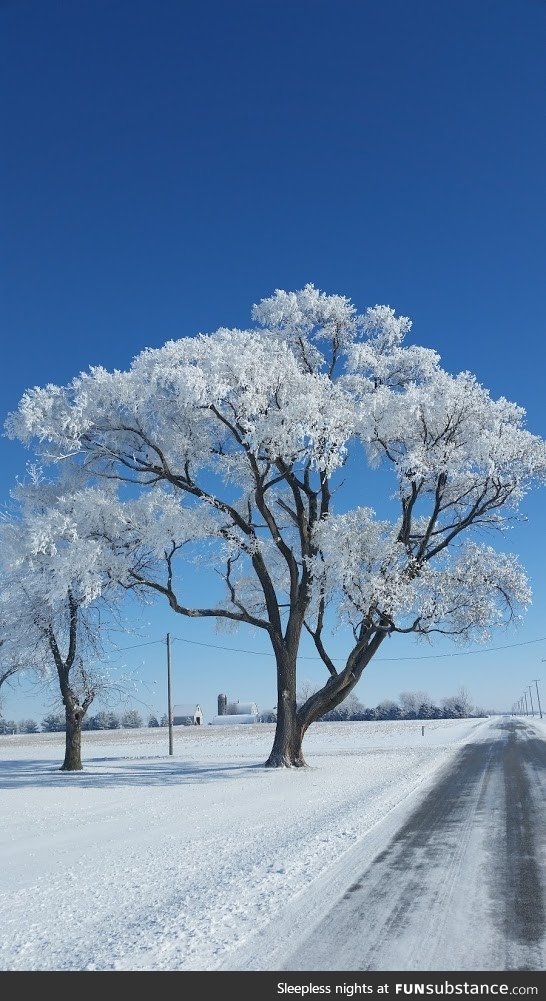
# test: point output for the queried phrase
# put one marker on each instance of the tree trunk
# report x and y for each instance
(73, 742)
(293, 723)
(286, 751)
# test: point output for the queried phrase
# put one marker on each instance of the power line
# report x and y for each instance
(264, 653)
(137, 646)
(468, 653)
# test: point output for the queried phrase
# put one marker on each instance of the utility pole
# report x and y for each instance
(169, 708)
(531, 700)
(538, 696)
(525, 703)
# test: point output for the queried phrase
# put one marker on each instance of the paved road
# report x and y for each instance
(462, 884)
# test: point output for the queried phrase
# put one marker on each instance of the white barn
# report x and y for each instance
(235, 712)
(241, 709)
(187, 714)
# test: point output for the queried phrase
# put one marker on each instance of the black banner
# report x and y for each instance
(267, 986)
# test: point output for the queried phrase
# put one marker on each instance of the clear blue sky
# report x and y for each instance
(165, 165)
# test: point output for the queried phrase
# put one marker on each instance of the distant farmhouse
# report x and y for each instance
(187, 715)
(235, 712)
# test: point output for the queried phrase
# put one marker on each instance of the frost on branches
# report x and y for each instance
(233, 449)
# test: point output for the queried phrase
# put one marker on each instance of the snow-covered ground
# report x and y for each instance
(146, 861)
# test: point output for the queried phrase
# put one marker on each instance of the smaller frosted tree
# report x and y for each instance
(56, 585)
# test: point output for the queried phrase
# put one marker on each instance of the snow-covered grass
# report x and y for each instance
(146, 861)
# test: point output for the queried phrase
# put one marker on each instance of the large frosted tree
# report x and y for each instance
(253, 452)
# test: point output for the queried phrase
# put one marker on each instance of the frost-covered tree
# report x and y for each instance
(8, 669)
(104, 720)
(388, 709)
(458, 706)
(53, 723)
(27, 726)
(410, 703)
(428, 710)
(56, 586)
(12, 658)
(131, 720)
(236, 446)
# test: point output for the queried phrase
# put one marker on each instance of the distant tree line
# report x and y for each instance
(56, 723)
(410, 705)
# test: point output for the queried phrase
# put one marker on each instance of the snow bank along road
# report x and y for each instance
(393, 850)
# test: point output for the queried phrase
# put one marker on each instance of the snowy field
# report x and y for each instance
(146, 861)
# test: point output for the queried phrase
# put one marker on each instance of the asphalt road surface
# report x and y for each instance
(461, 886)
